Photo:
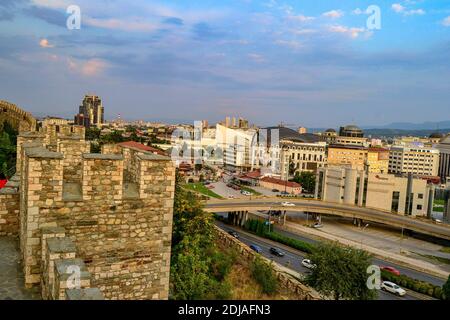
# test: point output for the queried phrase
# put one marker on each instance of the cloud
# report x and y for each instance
(44, 43)
(131, 24)
(351, 32)
(90, 68)
(446, 21)
(301, 18)
(256, 57)
(398, 8)
(174, 20)
(51, 16)
(333, 14)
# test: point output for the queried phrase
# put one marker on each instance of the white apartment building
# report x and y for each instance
(302, 156)
(386, 192)
(417, 160)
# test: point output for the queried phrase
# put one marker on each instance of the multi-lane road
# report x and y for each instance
(305, 205)
(293, 258)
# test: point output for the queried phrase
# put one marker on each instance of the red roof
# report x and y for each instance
(281, 182)
(140, 146)
(2, 183)
(253, 174)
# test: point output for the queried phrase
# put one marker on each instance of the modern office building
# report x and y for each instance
(417, 160)
(406, 195)
(444, 157)
(91, 112)
(352, 156)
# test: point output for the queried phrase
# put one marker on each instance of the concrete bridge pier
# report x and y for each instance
(238, 218)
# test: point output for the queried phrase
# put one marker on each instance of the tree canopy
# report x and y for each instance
(341, 272)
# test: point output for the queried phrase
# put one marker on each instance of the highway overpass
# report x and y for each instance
(315, 206)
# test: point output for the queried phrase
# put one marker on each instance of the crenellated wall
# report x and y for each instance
(120, 228)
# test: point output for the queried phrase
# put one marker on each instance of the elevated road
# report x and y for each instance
(321, 207)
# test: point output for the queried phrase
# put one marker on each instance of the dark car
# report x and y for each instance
(275, 190)
(277, 252)
(284, 193)
(255, 248)
(234, 234)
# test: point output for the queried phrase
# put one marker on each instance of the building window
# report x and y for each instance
(395, 201)
(420, 195)
(419, 207)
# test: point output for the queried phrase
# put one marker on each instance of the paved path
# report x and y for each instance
(11, 277)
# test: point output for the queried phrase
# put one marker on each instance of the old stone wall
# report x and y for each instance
(123, 240)
(72, 148)
(286, 281)
(9, 211)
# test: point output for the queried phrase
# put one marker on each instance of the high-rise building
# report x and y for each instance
(91, 112)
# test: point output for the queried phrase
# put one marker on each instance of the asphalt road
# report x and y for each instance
(333, 208)
(293, 258)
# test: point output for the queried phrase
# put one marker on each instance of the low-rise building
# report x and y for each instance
(281, 185)
(406, 195)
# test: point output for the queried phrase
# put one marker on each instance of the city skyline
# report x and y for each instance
(315, 64)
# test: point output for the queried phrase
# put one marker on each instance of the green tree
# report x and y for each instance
(92, 134)
(263, 273)
(446, 289)
(307, 180)
(8, 154)
(198, 269)
(340, 272)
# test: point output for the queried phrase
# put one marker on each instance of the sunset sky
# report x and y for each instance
(311, 63)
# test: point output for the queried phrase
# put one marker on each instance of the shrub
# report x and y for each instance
(264, 275)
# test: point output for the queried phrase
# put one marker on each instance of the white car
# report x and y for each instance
(287, 204)
(392, 288)
(246, 193)
(308, 264)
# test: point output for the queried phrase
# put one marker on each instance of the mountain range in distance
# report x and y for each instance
(436, 126)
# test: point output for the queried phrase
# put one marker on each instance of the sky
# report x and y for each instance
(304, 63)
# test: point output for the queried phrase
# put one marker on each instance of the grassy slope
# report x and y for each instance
(199, 187)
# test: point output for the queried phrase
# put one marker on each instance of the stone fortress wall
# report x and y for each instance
(108, 215)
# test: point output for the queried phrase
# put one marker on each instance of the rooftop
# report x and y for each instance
(140, 146)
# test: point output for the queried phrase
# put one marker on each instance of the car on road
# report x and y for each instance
(390, 269)
(392, 288)
(287, 204)
(256, 248)
(317, 225)
(276, 252)
(234, 234)
(246, 193)
(308, 264)
(210, 187)
(284, 193)
(275, 190)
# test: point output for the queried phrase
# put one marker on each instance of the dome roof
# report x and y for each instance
(352, 128)
(330, 130)
(436, 135)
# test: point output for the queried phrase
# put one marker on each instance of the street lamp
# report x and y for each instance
(364, 228)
